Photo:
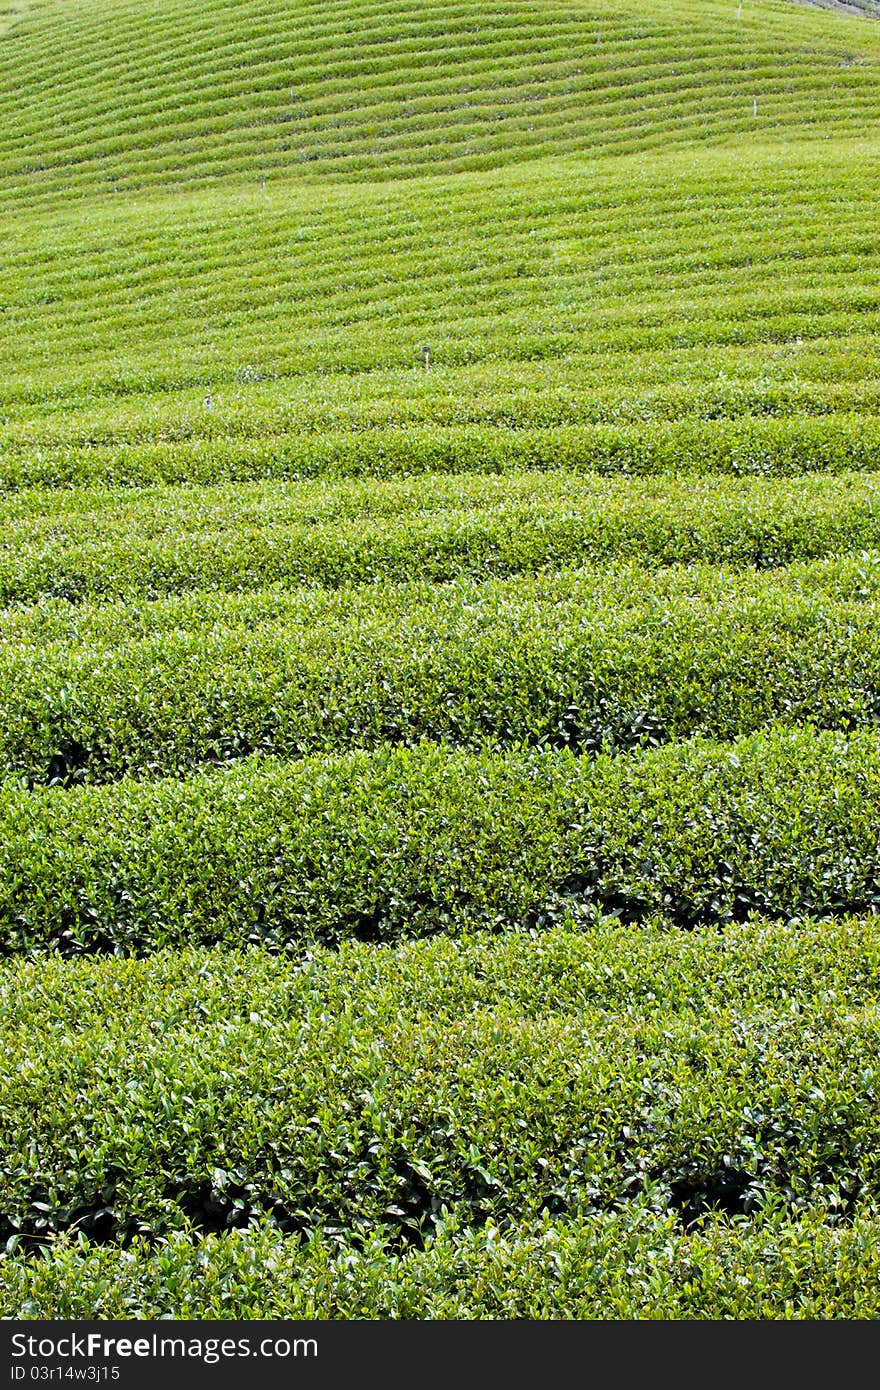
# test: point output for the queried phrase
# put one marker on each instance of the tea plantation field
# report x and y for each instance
(440, 679)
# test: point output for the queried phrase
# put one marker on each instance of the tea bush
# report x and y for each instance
(372, 1090)
(579, 659)
(236, 537)
(631, 1264)
(418, 841)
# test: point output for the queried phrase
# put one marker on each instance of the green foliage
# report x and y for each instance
(579, 659)
(385, 1017)
(747, 446)
(166, 96)
(715, 312)
(237, 537)
(421, 841)
(637, 1263)
(372, 1089)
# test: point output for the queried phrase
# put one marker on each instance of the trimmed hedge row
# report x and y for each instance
(378, 1089)
(239, 537)
(749, 445)
(412, 842)
(574, 659)
(636, 1263)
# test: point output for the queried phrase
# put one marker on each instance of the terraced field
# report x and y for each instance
(440, 682)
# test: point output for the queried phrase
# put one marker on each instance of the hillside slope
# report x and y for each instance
(235, 311)
(439, 671)
(123, 96)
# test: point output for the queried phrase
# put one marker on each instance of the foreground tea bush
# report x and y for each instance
(577, 659)
(91, 543)
(423, 840)
(636, 1263)
(372, 1089)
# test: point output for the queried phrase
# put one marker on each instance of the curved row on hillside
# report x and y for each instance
(576, 659)
(413, 842)
(375, 1093)
(91, 544)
